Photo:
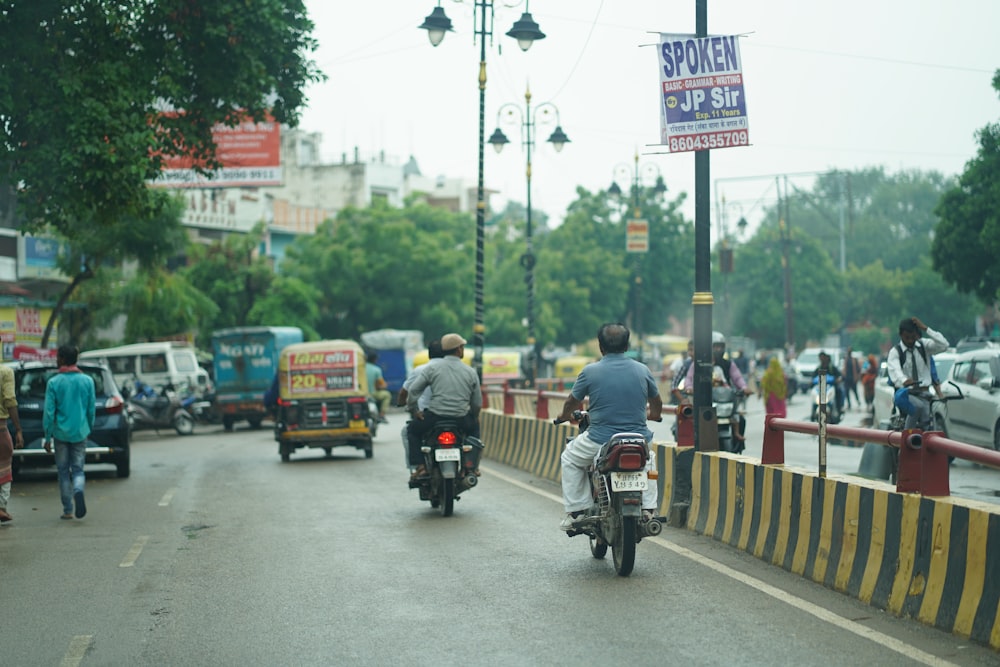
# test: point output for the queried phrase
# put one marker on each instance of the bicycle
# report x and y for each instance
(937, 411)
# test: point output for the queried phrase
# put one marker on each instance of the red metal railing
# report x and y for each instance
(923, 455)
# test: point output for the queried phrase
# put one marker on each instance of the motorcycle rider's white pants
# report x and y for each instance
(580, 452)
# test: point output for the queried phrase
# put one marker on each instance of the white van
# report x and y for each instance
(156, 364)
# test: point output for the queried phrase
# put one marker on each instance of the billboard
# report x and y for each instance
(250, 155)
(702, 96)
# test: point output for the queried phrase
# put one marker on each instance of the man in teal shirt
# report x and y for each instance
(68, 420)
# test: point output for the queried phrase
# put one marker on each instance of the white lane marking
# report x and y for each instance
(167, 497)
(133, 553)
(77, 649)
(776, 593)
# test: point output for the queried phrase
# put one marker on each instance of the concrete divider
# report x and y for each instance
(936, 560)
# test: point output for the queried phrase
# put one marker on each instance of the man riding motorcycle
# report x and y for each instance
(725, 373)
(619, 389)
(455, 395)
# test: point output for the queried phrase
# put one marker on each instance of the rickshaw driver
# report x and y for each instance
(455, 394)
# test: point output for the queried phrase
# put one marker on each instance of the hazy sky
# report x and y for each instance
(902, 84)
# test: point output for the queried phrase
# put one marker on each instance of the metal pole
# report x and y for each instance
(706, 434)
(479, 328)
(529, 256)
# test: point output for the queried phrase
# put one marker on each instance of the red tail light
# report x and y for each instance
(358, 407)
(631, 461)
(447, 439)
(114, 405)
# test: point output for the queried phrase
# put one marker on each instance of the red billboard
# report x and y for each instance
(249, 155)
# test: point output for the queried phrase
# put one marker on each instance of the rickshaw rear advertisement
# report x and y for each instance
(310, 372)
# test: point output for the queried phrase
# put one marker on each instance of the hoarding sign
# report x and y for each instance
(702, 96)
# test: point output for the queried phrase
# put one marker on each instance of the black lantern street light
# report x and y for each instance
(528, 120)
(635, 174)
(526, 32)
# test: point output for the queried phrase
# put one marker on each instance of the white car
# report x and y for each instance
(976, 418)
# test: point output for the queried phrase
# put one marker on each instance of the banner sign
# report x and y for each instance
(702, 100)
(250, 154)
(637, 236)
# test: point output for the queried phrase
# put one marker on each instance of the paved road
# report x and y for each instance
(216, 553)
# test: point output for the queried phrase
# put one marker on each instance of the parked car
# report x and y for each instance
(882, 405)
(111, 437)
(976, 419)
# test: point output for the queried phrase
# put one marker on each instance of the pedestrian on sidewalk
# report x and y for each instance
(852, 373)
(67, 421)
(8, 410)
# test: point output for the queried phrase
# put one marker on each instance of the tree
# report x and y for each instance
(148, 242)
(967, 239)
(233, 275)
(83, 86)
(291, 303)
(160, 303)
(381, 267)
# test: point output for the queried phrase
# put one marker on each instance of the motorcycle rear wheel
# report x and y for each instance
(623, 546)
(447, 496)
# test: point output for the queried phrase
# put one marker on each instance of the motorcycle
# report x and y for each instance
(147, 408)
(617, 479)
(451, 461)
(730, 422)
(726, 401)
(829, 399)
(200, 407)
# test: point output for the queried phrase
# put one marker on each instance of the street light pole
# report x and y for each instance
(528, 120)
(525, 31)
(635, 178)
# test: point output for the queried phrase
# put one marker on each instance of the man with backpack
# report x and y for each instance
(909, 368)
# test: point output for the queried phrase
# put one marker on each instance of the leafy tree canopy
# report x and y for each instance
(83, 84)
(967, 242)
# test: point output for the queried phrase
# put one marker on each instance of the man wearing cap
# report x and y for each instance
(455, 394)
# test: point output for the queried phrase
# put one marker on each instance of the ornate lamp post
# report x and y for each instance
(635, 174)
(528, 120)
(525, 31)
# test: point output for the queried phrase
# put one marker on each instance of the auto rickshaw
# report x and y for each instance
(568, 368)
(322, 398)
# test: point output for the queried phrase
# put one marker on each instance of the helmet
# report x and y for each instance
(718, 338)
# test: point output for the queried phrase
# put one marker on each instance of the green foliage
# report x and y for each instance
(231, 274)
(290, 303)
(380, 267)
(156, 297)
(967, 242)
(83, 85)
(888, 226)
(871, 340)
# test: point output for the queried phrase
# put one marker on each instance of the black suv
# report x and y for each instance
(109, 439)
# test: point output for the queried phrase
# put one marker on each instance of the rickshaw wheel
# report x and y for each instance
(370, 452)
(286, 455)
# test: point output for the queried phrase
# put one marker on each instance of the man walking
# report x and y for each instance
(68, 420)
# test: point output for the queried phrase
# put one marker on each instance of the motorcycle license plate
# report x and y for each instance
(628, 481)
(447, 454)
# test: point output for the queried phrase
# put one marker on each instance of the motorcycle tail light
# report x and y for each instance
(447, 439)
(114, 405)
(631, 460)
